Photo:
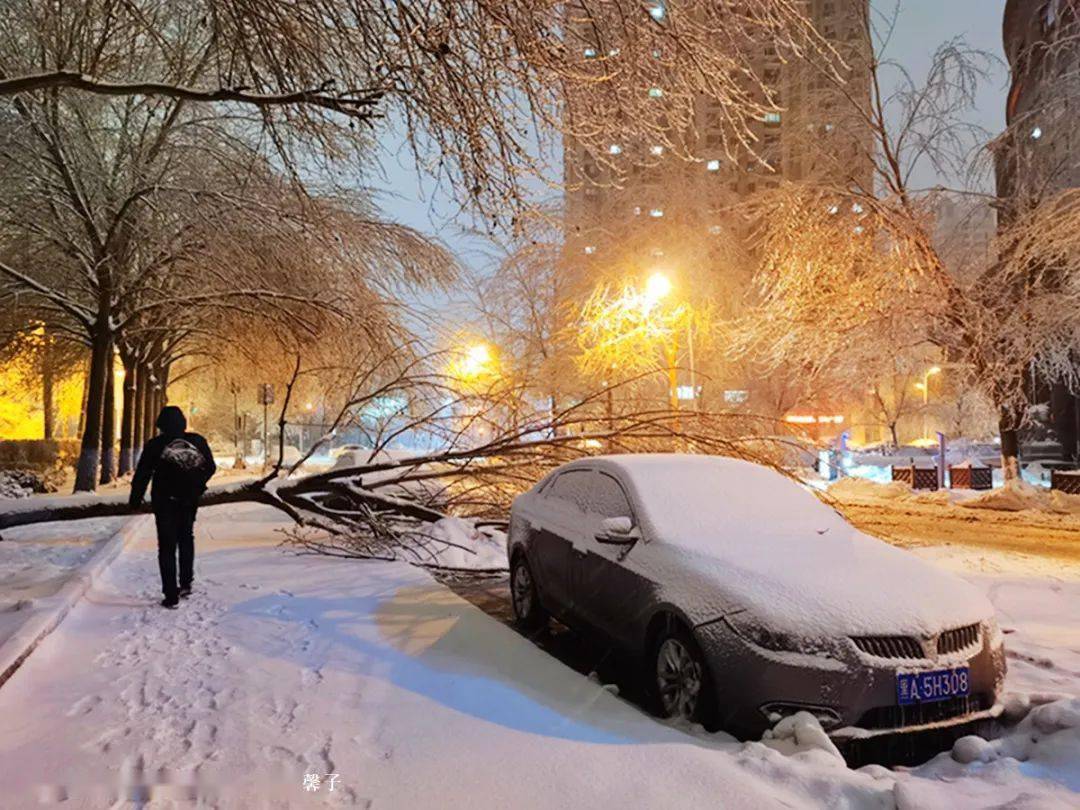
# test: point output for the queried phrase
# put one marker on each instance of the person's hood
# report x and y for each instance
(171, 421)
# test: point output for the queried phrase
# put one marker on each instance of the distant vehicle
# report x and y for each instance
(748, 599)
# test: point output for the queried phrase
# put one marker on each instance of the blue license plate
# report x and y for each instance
(929, 687)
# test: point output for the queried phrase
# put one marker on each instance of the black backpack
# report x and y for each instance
(182, 469)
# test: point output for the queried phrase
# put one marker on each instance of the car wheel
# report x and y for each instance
(528, 611)
(680, 678)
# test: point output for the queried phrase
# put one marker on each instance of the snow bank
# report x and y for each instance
(457, 544)
(1014, 496)
(1047, 739)
(851, 489)
(801, 733)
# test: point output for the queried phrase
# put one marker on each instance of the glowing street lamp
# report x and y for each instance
(476, 362)
(657, 288)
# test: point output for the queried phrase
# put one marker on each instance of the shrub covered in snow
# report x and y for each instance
(22, 483)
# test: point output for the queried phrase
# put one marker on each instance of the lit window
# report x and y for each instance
(772, 118)
(614, 149)
(590, 250)
(713, 166)
(656, 150)
(834, 209)
(614, 52)
(655, 92)
(656, 213)
(590, 53)
(714, 230)
(657, 53)
(856, 208)
(657, 10)
(637, 210)
(1036, 133)
(829, 127)
(858, 230)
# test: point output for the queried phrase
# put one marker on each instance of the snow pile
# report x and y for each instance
(19, 484)
(457, 544)
(1014, 496)
(802, 734)
(1047, 740)
(854, 489)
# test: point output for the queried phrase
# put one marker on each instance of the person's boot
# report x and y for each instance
(172, 603)
(185, 592)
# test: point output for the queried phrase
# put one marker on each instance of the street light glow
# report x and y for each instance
(658, 287)
(476, 361)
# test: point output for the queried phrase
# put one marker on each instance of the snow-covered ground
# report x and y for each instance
(282, 666)
(35, 561)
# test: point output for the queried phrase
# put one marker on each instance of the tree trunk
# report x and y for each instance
(1010, 445)
(146, 379)
(86, 471)
(138, 421)
(127, 420)
(895, 438)
(108, 424)
(48, 405)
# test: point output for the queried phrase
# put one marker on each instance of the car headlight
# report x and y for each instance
(762, 636)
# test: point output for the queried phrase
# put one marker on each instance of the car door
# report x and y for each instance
(553, 526)
(607, 594)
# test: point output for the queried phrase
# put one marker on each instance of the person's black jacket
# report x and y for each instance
(179, 462)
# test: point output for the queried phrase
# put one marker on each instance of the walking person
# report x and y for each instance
(180, 464)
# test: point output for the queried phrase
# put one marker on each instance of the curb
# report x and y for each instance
(17, 648)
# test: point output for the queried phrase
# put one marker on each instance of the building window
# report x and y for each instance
(637, 210)
(772, 118)
(614, 52)
(656, 213)
(657, 9)
(1036, 133)
(590, 250)
(656, 150)
(655, 92)
(614, 149)
(590, 53)
(713, 166)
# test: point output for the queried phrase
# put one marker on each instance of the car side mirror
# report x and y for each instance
(617, 531)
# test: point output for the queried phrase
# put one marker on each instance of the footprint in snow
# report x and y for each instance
(84, 705)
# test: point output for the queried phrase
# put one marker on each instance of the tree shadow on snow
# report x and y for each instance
(424, 639)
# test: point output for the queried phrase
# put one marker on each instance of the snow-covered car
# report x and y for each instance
(749, 600)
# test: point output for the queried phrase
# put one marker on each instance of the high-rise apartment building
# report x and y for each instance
(1039, 154)
(648, 207)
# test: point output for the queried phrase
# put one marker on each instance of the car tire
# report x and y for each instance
(524, 596)
(678, 678)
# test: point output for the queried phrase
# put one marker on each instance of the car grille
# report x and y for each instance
(923, 713)
(961, 638)
(901, 647)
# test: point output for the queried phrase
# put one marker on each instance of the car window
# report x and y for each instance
(592, 492)
(571, 487)
(607, 498)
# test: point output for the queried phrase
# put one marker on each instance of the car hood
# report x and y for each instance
(815, 583)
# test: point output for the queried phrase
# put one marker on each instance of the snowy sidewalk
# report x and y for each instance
(36, 562)
(281, 666)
